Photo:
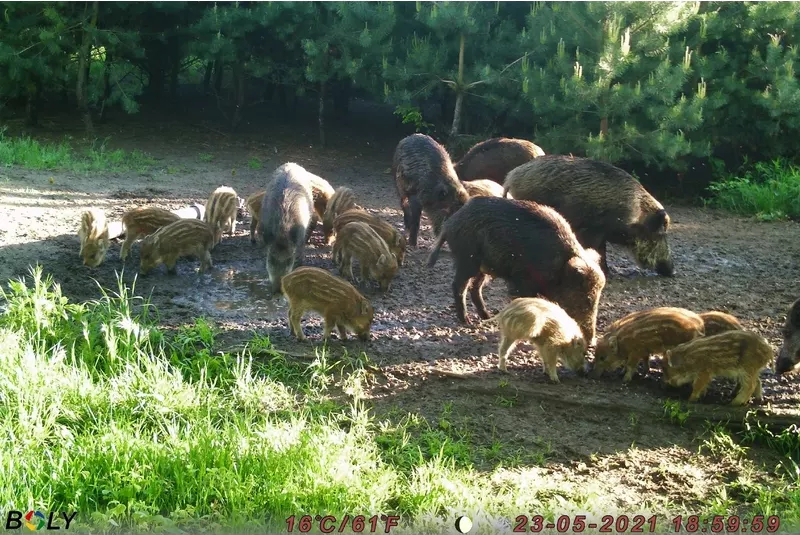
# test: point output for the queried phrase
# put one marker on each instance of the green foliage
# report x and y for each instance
(674, 412)
(31, 154)
(413, 115)
(767, 190)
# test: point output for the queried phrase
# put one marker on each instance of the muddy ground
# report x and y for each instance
(584, 428)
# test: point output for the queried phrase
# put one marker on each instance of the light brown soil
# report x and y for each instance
(587, 426)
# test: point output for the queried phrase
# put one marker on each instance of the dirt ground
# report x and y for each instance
(587, 427)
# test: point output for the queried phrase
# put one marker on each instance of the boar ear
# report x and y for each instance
(382, 260)
(667, 359)
(612, 343)
(364, 307)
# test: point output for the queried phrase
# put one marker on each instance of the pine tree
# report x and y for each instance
(609, 80)
(461, 47)
(349, 41)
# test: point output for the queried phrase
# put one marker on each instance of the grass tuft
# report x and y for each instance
(768, 190)
(31, 154)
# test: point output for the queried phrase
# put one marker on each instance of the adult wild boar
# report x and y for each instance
(602, 203)
(530, 246)
(495, 157)
(426, 181)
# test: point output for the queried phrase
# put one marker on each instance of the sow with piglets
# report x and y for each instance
(528, 245)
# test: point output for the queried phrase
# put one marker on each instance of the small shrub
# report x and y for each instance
(769, 191)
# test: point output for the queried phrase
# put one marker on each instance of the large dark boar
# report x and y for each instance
(530, 246)
(602, 203)
(425, 180)
(789, 355)
(495, 157)
(286, 213)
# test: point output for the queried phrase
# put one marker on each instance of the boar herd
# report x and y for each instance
(506, 210)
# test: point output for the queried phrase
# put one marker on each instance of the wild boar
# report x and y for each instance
(426, 181)
(185, 237)
(555, 334)
(221, 208)
(393, 237)
(494, 158)
(739, 355)
(789, 354)
(717, 322)
(341, 306)
(141, 222)
(343, 199)
(632, 339)
(602, 203)
(254, 207)
(93, 235)
(359, 241)
(286, 214)
(528, 245)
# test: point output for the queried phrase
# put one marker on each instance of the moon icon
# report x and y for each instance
(463, 524)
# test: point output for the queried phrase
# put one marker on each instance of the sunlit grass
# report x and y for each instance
(31, 154)
(102, 413)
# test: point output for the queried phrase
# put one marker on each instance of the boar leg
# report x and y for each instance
(550, 363)
(205, 261)
(412, 213)
(699, 386)
(295, 313)
(171, 263)
(253, 225)
(476, 294)
(328, 328)
(130, 237)
(233, 226)
(747, 385)
(632, 367)
(342, 332)
(506, 347)
(460, 283)
(757, 393)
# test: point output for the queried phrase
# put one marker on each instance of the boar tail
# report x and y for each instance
(505, 191)
(437, 248)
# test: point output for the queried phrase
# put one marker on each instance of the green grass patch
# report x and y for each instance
(255, 163)
(138, 429)
(767, 190)
(31, 154)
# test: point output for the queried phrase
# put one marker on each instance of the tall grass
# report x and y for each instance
(31, 154)
(102, 413)
(767, 190)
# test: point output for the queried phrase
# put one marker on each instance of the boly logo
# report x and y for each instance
(38, 520)
(34, 520)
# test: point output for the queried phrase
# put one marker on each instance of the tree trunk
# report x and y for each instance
(32, 106)
(207, 77)
(238, 81)
(219, 69)
(173, 72)
(604, 126)
(82, 87)
(106, 84)
(322, 114)
(459, 91)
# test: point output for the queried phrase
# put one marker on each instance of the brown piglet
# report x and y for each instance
(393, 237)
(739, 355)
(340, 304)
(555, 335)
(141, 222)
(185, 237)
(221, 208)
(632, 339)
(358, 241)
(93, 235)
